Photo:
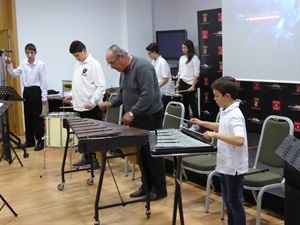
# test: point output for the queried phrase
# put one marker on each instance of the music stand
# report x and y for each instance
(9, 93)
(289, 150)
(8, 205)
(4, 105)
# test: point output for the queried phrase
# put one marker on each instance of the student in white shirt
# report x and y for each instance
(33, 77)
(88, 89)
(232, 154)
(187, 78)
(162, 69)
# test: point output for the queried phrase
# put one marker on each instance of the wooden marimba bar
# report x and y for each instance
(96, 135)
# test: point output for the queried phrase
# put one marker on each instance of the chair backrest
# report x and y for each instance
(114, 115)
(274, 130)
(174, 115)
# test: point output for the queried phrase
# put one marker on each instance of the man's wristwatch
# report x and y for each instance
(130, 114)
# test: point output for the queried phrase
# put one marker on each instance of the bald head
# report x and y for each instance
(117, 58)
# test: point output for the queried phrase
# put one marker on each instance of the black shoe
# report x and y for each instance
(39, 147)
(82, 163)
(27, 145)
(95, 165)
(139, 193)
(155, 196)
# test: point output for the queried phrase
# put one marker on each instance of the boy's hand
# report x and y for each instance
(7, 60)
(195, 121)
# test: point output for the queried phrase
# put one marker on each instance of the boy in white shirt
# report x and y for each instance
(162, 69)
(232, 154)
(88, 89)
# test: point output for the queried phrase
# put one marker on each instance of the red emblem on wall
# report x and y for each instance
(205, 34)
(219, 17)
(220, 50)
(298, 88)
(206, 81)
(297, 126)
(256, 86)
(276, 105)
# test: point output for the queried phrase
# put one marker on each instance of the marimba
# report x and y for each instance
(171, 142)
(95, 135)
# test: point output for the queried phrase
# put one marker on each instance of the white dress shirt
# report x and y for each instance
(31, 75)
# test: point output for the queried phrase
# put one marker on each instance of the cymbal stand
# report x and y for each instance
(44, 116)
(44, 167)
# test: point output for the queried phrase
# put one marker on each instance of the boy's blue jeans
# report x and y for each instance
(232, 194)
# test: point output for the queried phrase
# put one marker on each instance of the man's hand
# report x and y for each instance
(127, 119)
(105, 105)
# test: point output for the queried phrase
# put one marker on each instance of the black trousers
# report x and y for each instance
(34, 123)
(94, 113)
(154, 167)
(189, 99)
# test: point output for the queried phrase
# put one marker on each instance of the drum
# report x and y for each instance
(55, 133)
(166, 98)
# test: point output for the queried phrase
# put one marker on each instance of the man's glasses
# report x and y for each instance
(113, 62)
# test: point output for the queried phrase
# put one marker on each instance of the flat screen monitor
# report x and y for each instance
(169, 43)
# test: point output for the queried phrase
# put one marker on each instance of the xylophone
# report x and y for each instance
(94, 135)
(177, 143)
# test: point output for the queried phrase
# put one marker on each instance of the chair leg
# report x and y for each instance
(259, 199)
(259, 202)
(208, 187)
(184, 174)
(254, 195)
(126, 166)
(222, 209)
(258, 206)
(133, 172)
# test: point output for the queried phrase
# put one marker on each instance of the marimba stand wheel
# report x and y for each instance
(90, 181)
(148, 213)
(61, 186)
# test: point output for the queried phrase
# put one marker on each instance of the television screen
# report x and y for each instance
(169, 43)
(261, 40)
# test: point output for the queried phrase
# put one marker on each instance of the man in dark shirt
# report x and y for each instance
(143, 107)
